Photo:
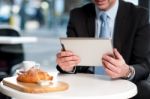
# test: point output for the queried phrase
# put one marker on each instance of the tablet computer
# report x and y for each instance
(90, 50)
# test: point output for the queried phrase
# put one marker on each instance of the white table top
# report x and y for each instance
(17, 40)
(82, 86)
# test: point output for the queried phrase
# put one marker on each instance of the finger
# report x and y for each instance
(69, 64)
(112, 67)
(110, 60)
(111, 74)
(70, 58)
(109, 54)
(117, 54)
(64, 54)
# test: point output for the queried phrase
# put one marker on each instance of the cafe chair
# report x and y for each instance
(143, 89)
(8, 59)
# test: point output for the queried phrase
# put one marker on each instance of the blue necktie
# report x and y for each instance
(104, 33)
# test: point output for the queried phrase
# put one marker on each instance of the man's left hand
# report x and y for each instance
(114, 64)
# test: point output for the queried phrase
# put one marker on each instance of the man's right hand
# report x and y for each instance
(67, 60)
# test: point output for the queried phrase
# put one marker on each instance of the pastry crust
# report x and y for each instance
(33, 75)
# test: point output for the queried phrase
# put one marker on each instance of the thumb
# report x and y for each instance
(117, 54)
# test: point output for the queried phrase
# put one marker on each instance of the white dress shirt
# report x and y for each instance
(112, 13)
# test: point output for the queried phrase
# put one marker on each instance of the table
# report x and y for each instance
(17, 40)
(82, 86)
(12, 40)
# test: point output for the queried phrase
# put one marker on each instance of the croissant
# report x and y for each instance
(33, 75)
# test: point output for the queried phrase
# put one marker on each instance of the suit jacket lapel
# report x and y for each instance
(120, 25)
(91, 21)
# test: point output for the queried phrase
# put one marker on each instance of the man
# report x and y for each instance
(129, 30)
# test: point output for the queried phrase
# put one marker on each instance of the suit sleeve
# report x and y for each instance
(141, 48)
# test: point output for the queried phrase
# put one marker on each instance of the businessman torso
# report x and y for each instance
(130, 33)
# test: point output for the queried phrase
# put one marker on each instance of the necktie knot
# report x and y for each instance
(103, 17)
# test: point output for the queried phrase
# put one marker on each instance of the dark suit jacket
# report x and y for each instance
(131, 34)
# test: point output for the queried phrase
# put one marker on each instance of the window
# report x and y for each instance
(133, 1)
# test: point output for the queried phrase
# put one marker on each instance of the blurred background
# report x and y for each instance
(45, 19)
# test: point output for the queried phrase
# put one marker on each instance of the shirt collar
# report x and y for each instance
(112, 12)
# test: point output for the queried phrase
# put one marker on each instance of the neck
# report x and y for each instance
(110, 6)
